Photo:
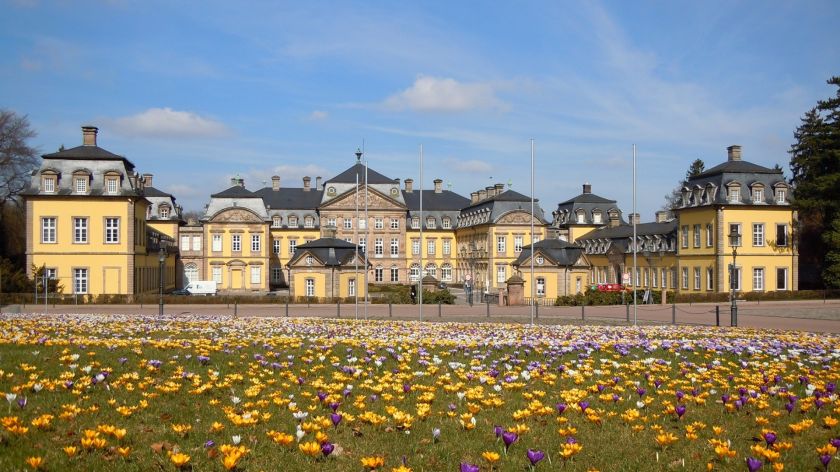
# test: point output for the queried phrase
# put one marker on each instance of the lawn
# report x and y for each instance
(99, 393)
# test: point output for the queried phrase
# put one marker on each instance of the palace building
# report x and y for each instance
(100, 227)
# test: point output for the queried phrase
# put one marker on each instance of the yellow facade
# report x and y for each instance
(438, 251)
(238, 248)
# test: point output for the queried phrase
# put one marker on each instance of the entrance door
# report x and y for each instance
(236, 279)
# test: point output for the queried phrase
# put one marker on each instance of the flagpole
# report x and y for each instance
(634, 277)
(533, 280)
(367, 238)
(422, 243)
(356, 239)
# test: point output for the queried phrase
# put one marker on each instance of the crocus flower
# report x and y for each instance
(753, 464)
(327, 448)
(583, 404)
(22, 402)
(509, 437)
(435, 434)
(770, 438)
(561, 407)
(535, 456)
(335, 418)
(680, 410)
(497, 430)
(467, 467)
(825, 459)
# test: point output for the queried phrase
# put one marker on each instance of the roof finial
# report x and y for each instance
(358, 156)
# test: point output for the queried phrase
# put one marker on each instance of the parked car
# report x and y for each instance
(442, 285)
(180, 291)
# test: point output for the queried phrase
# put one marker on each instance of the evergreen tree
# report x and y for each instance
(673, 199)
(815, 167)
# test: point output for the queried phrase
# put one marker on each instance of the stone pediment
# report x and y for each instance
(236, 215)
(376, 201)
(517, 218)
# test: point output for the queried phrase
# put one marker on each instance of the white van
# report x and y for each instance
(201, 287)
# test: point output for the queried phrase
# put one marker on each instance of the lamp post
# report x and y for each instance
(161, 260)
(734, 241)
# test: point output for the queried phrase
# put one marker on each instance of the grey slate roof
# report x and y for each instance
(349, 176)
(286, 198)
(653, 236)
(331, 252)
(237, 191)
(557, 252)
(588, 203)
(87, 152)
(444, 201)
(711, 187)
(491, 209)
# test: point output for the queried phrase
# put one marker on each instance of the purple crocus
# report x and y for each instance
(680, 410)
(835, 442)
(561, 407)
(509, 437)
(321, 396)
(327, 448)
(406, 388)
(753, 464)
(770, 438)
(21, 401)
(641, 391)
(209, 444)
(497, 430)
(825, 459)
(583, 404)
(535, 456)
(335, 418)
(467, 467)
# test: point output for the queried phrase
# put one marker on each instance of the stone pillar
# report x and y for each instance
(430, 283)
(515, 290)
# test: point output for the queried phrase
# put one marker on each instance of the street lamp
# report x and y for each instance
(161, 259)
(734, 241)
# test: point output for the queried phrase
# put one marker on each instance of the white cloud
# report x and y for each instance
(443, 94)
(318, 115)
(169, 123)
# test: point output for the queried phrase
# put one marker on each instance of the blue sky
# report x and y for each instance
(196, 92)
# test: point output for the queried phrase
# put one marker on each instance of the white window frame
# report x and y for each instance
(256, 275)
(310, 287)
(431, 269)
(758, 235)
(395, 247)
(80, 184)
(784, 279)
(781, 195)
(80, 230)
(685, 278)
(351, 287)
(684, 234)
(112, 230)
(395, 274)
(49, 184)
(415, 247)
(308, 222)
(275, 246)
(664, 276)
(256, 242)
(217, 274)
(446, 273)
(217, 243)
(430, 247)
(163, 211)
(758, 195)
(501, 274)
(697, 276)
(501, 244)
(517, 244)
(736, 272)
(292, 247)
(430, 223)
(236, 243)
(446, 223)
(378, 247)
(80, 280)
(710, 239)
(348, 223)
(293, 221)
(48, 230)
(739, 241)
(415, 222)
(758, 279)
(697, 235)
(362, 223)
(276, 222)
(363, 243)
(395, 223)
(378, 223)
(331, 222)
(378, 274)
(196, 243)
(734, 194)
(540, 287)
(447, 247)
(710, 278)
(185, 243)
(112, 185)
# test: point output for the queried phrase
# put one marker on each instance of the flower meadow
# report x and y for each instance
(97, 392)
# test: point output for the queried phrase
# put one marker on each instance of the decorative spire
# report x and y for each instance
(358, 156)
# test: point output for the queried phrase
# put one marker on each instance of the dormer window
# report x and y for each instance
(80, 183)
(275, 222)
(596, 217)
(112, 185)
(293, 221)
(758, 194)
(446, 223)
(581, 217)
(309, 222)
(49, 184)
(734, 194)
(430, 223)
(415, 223)
(781, 195)
(163, 211)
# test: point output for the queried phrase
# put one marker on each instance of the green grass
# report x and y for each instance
(329, 355)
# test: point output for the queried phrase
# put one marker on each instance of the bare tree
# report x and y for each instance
(17, 158)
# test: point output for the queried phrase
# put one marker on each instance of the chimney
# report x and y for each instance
(318, 183)
(147, 180)
(662, 216)
(634, 218)
(233, 181)
(734, 152)
(398, 182)
(306, 182)
(89, 135)
(587, 188)
(409, 185)
(438, 185)
(491, 191)
(474, 197)
(482, 194)
(330, 232)
(275, 182)
(614, 220)
(500, 188)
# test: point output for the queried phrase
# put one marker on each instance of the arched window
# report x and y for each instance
(431, 269)
(446, 272)
(190, 273)
(414, 272)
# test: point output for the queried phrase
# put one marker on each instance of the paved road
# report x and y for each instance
(815, 316)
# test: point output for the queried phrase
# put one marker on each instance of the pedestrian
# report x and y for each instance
(413, 295)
